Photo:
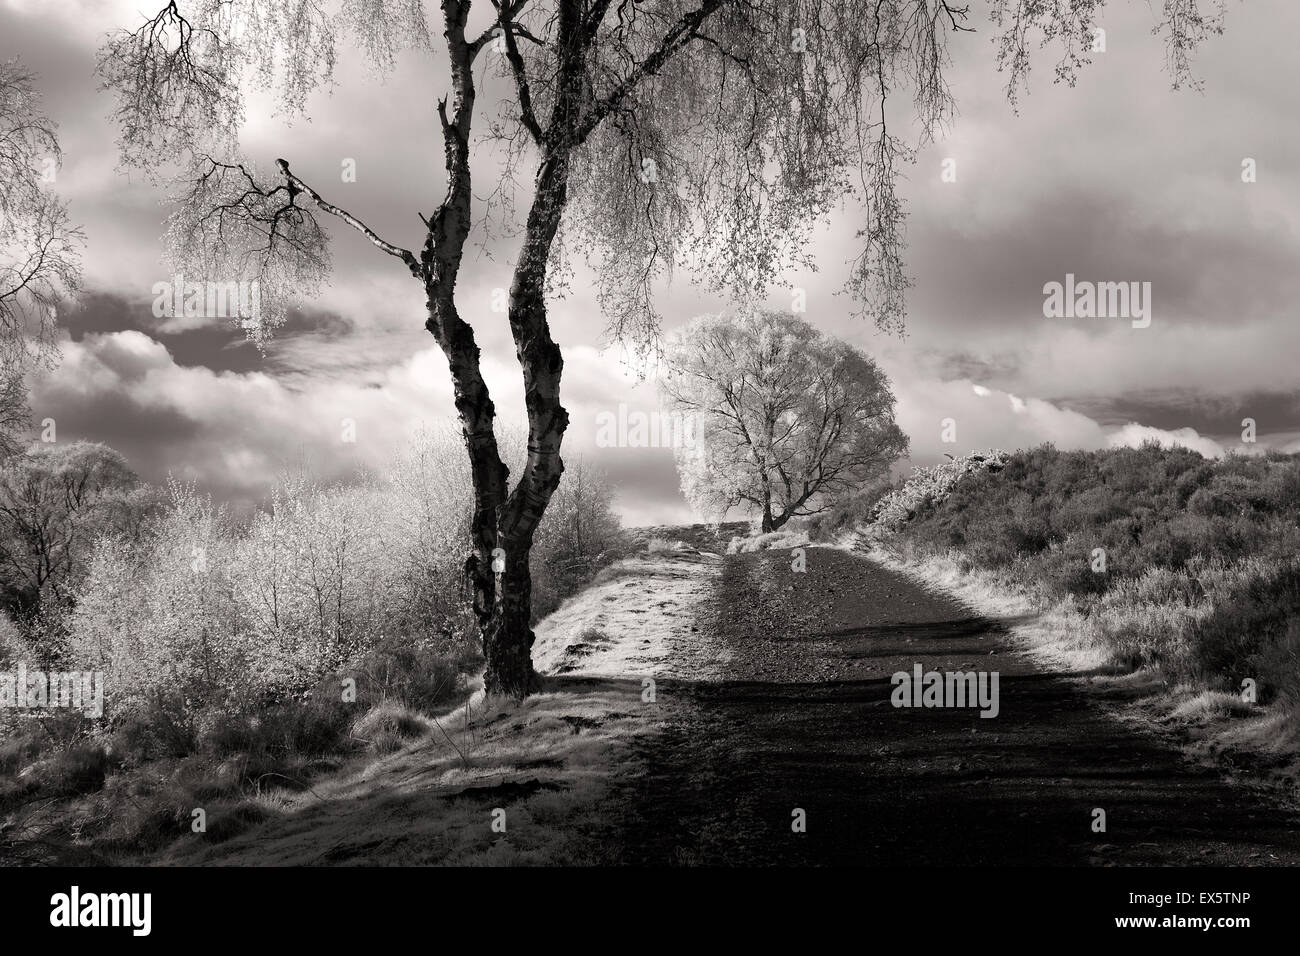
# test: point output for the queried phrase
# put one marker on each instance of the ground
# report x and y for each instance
(696, 703)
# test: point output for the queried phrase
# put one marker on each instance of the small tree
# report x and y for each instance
(788, 421)
(580, 533)
(55, 500)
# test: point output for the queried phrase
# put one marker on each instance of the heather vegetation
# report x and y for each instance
(1164, 558)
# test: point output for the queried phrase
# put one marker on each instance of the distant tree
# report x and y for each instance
(788, 421)
(55, 500)
(39, 249)
(716, 133)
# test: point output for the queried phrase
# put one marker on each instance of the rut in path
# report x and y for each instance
(802, 719)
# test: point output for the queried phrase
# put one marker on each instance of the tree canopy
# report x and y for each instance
(55, 500)
(789, 421)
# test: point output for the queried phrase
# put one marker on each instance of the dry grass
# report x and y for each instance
(769, 541)
(546, 762)
(1124, 645)
(1208, 705)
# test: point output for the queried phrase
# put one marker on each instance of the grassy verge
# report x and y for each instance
(493, 783)
(1152, 567)
(421, 768)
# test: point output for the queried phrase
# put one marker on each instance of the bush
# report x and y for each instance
(388, 725)
(1201, 576)
(579, 535)
(421, 676)
(928, 486)
(1251, 633)
(199, 618)
(844, 516)
(79, 769)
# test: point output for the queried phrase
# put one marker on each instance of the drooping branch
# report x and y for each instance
(227, 226)
(177, 87)
(39, 247)
(678, 35)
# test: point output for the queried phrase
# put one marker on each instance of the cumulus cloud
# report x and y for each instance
(1134, 435)
(983, 418)
(230, 433)
(233, 432)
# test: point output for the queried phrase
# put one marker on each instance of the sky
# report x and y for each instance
(1118, 179)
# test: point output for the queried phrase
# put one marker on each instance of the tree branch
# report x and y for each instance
(517, 67)
(680, 34)
(405, 255)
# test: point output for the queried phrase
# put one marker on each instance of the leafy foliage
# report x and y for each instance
(787, 420)
(55, 500)
(928, 487)
(39, 247)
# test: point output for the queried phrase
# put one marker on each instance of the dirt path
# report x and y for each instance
(771, 693)
(802, 719)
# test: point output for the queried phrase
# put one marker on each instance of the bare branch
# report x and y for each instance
(227, 227)
(522, 90)
(679, 35)
(406, 256)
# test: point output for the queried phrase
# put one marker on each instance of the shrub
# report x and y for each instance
(930, 485)
(844, 515)
(579, 535)
(198, 618)
(1251, 631)
(422, 676)
(388, 725)
(1201, 577)
(78, 769)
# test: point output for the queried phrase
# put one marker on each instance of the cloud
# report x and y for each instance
(1134, 435)
(986, 418)
(233, 432)
(983, 418)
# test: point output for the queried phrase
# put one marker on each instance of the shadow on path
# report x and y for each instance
(807, 724)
